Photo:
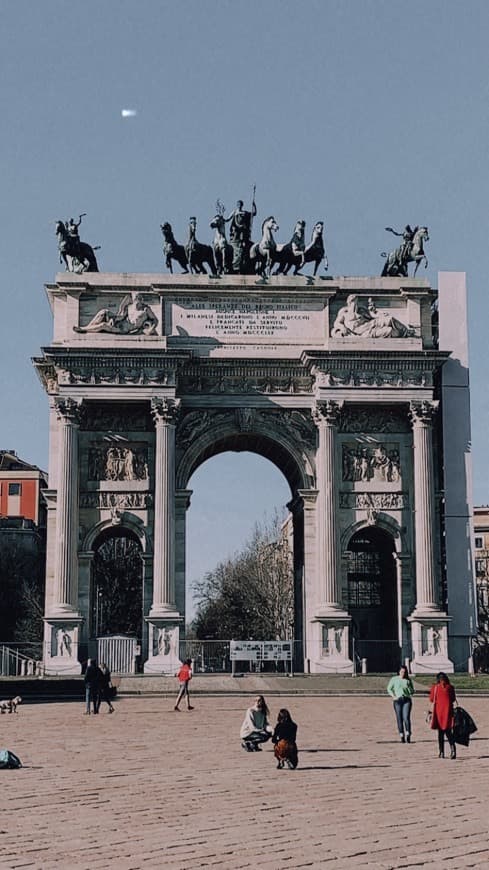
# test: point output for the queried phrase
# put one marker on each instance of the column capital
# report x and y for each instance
(165, 410)
(422, 413)
(326, 413)
(68, 410)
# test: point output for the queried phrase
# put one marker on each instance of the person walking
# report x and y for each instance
(92, 683)
(105, 688)
(401, 688)
(184, 676)
(284, 739)
(443, 699)
(255, 728)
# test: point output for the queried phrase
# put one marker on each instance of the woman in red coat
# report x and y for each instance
(442, 697)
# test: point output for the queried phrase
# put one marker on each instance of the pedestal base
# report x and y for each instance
(164, 642)
(329, 645)
(61, 646)
(429, 633)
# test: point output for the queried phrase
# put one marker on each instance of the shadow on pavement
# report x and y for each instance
(341, 766)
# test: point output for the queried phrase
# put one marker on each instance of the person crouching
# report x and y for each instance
(284, 737)
(255, 728)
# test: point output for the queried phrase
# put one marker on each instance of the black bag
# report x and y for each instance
(463, 726)
(9, 760)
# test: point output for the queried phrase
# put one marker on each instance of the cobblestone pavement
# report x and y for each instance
(150, 788)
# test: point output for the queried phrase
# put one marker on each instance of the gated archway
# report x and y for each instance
(116, 585)
(371, 579)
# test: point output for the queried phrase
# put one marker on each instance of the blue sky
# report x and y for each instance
(365, 114)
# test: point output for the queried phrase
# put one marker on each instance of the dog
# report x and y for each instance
(11, 705)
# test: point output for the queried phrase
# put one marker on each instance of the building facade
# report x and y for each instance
(22, 536)
(356, 388)
(21, 487)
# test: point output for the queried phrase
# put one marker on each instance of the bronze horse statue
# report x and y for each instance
(315, 252)
(263, 253)
(198, 255)
(292, 253)
(295, 253)
(411, 251)
(172, 250)
(77, 256)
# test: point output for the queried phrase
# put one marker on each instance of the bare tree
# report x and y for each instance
(252, 594)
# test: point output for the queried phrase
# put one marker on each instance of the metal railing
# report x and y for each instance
(21, 660)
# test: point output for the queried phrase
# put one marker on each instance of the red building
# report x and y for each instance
(21, 486)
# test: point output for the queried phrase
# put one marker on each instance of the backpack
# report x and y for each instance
(8, 759)
(184, 674)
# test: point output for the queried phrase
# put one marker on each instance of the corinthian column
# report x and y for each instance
(65, 601)
(326, 418)
(164, 413)
(422, 417)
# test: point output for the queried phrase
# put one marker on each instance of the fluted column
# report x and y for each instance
(164, 413)
(426, 588)
(66, 547)
(326, 416)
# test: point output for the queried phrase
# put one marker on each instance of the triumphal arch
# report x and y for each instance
(356, 388)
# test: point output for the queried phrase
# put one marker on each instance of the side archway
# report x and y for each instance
(372, 596)
(116, 587)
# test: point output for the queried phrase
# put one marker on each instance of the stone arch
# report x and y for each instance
(294, 460)
(129, 522)
(382, 521)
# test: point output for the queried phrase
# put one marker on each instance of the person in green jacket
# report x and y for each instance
(401, 688)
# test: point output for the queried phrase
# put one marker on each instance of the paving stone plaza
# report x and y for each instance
(149, 788)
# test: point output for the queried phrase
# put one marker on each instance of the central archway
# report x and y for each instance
(290, 458)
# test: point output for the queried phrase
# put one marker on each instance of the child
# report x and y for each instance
(284, 740)
(184, 676)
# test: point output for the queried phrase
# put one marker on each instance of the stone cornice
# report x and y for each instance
(372, 356)
(161, 282)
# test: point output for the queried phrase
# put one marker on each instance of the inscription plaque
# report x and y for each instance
(243, 318)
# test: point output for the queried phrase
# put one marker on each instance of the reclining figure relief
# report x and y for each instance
(356, 320)
(134, 316)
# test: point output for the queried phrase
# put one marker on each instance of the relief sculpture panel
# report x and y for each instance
(116, 462)
(371, 462)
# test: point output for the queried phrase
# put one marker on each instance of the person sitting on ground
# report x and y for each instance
(255, 728)
(284, 737)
